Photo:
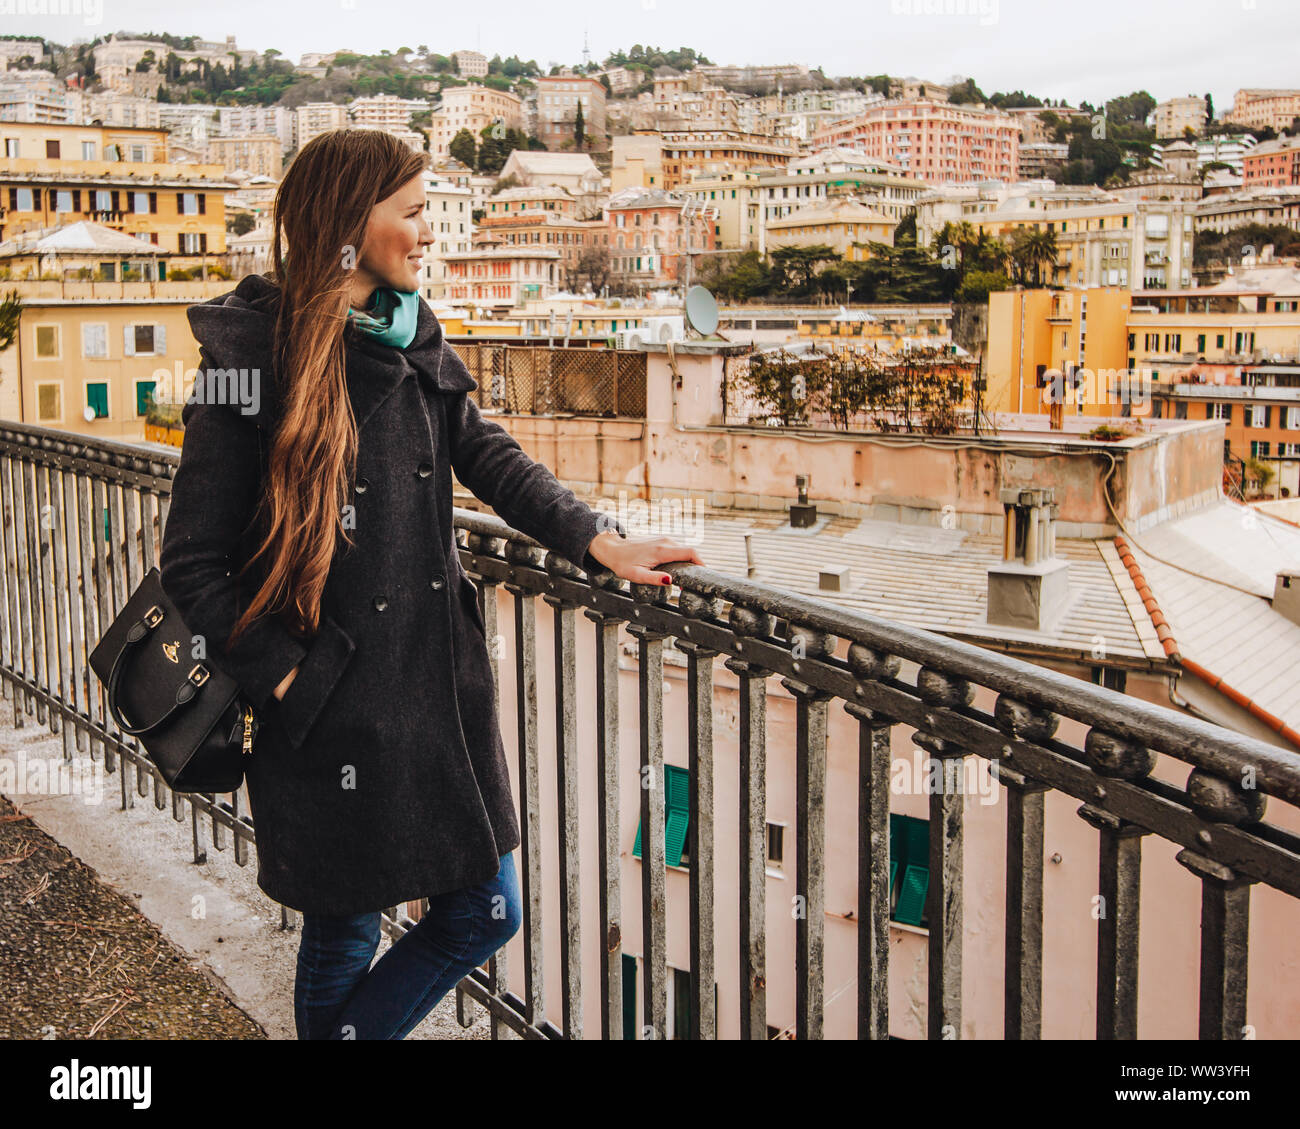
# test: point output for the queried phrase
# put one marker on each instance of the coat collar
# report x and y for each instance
(236, 329)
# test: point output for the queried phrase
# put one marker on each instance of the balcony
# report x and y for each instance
(1051, 742)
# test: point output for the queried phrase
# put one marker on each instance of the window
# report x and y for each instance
(909, 868)
(47, 342)
(63, 200)
(1257, 415)
(49, 402)
(1180, 409)
(97, 398)
(1258, 449)
(1110, 679)
(143, 396)
(676, 817)
(144, 341)
(87, 150)
(188, 203)
(1200, 342)
(629, 998)
(680, 1003)
(94, 339)
(1220, 411)
(1291, 420)
(1218, 341)
(775, 844)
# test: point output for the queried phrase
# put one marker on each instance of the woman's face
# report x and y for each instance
(394, 245)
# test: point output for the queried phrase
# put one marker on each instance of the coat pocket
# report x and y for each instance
(318, 674)
(469, 598)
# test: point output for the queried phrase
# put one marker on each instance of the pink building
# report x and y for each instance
(933, 141)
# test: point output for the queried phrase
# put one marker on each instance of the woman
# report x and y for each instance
(309, 542)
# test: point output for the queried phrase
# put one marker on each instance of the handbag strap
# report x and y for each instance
(138, 633)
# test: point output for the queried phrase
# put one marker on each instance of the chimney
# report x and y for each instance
(1286, 594)
(803, 514)
(1030, 587)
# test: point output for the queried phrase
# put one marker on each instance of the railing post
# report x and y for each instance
(650, 662)
(1119, 882)
(944, 895)
(810, 851)
(525, 556)
(875, 758)
(566, 791)
(1225, 908)
(1023, 959)
(753, 824)
(699, 708)
(607, 816)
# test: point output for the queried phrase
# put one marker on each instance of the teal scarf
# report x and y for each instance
(391, 316)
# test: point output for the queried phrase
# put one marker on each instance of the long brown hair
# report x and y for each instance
(321, 208)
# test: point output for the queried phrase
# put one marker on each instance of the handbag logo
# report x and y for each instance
(169, 649)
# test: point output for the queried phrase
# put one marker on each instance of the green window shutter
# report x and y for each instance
(143, 394)
(911, 896)
(675, 837)
(629, 998)
(97, 398)
(677, 787)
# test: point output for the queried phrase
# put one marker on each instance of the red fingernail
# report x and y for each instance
(668, 579)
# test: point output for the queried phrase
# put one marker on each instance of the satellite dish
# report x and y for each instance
(701, 311)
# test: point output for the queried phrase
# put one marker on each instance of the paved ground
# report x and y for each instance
(108, 929)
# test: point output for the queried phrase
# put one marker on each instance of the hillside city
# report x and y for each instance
(949, 363)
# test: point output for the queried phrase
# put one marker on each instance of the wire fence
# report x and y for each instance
(533, 380)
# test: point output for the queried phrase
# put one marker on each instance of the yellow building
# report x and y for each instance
(89, 357)
(1108, 332)
(1135, 244)
(113, 175)
(846, 225)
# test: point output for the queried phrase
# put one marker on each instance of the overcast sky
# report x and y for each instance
(1051, 48)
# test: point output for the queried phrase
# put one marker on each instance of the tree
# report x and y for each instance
(464, 148)
(1029, 252)
(579, 127)
(1209, 110)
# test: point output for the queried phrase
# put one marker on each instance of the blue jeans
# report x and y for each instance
(337, 995)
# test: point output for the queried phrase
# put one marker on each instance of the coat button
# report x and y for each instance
(424, 470)
(362, 485)
(437, 583)
(380, 602)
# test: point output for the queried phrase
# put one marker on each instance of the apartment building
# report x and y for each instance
(1211, 334)
(385, 111)
(449, 210)
(502, 278)
(558, 99)
(475, 108)
(1272, 164)
(1256, 109)
(470, 64)
(257, 121)
(257, 155)
(672, 159)
(544, 217)
(934, 141)
(314, 118)
(92, 365)
(1173, 117)
(748, 202)
(52, 175)
(845, 224)
(1272, 207)
(1260, 409)
(650, 235)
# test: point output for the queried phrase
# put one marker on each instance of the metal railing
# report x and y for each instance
(83, 521)
(538, 380)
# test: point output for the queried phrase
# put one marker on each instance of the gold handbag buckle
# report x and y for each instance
(153, 616)
(202, 674)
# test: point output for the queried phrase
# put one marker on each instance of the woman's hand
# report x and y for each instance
(635, 560)
(280, 691)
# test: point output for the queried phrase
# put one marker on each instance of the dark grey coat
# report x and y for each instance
(380, 777)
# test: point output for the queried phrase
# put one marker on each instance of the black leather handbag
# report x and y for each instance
(192, 719)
